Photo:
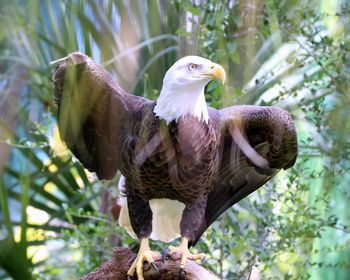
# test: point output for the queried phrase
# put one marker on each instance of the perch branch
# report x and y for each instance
(117, 268)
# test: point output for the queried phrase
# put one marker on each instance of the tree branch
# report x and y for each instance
(117, 268)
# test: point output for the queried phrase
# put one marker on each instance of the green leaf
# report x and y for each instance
(182, 32)
(235, 57)
(192, 9)
(231, 46)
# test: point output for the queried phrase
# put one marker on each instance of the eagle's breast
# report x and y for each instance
(176, 161)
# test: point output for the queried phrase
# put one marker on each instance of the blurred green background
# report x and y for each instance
(55, 221)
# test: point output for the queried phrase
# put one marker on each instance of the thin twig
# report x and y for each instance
(222, 251)
(94, 218)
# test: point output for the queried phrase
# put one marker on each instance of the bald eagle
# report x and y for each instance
(182, 163)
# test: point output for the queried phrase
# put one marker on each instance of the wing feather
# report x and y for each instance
(256, 142)
(94, 113)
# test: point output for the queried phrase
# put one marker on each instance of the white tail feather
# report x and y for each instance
(124, 219)
(166, 220)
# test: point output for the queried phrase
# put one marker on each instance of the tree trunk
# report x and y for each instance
(117, 268)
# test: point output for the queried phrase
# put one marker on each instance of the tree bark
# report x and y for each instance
(117, 268)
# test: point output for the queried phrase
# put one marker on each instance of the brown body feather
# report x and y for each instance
(207, 166)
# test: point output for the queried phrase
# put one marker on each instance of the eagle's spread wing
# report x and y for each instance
(256, 142)
(95, 113)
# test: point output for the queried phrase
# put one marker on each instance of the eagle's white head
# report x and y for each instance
(183, 88)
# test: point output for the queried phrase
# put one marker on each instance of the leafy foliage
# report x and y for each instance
(291, 54)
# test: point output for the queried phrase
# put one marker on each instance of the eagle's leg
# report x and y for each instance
(141, 221)
(144, 254)
(192, 217)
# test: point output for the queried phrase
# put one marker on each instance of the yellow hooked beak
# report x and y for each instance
(216, 72)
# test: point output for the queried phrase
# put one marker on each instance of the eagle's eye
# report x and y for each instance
(192, 66)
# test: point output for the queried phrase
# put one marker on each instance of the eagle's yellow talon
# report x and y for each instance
(184, 252)
(144, 254)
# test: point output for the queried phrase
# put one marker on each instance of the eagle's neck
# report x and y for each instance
(174, 103)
